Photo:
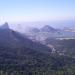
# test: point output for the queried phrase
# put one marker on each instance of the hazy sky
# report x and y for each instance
(36, 10)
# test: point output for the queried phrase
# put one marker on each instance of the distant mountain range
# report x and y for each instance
(48, 31)
(59, 24)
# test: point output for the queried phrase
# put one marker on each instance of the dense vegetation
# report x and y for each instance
(30, 62)
(26, 61)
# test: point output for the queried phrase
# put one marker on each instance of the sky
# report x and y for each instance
(36, 10)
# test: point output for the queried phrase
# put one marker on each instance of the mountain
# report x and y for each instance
(14, 38)
(48, 28)
(35, 30)
(18, 50)
(21, 56)
(4, 26)
(32, 30)
(43, 33)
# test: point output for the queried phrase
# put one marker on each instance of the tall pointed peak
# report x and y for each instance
(5, 26)
(48, 28)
